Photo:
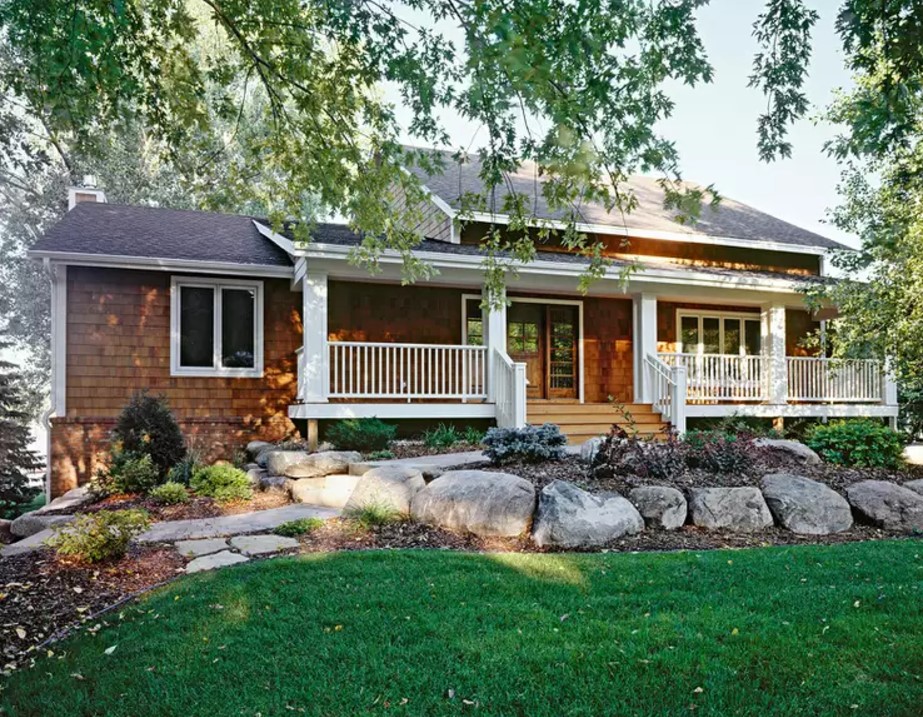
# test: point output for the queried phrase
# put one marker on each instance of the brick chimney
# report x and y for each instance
(86, 192)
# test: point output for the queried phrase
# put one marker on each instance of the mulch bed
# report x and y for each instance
(197, 507)
(41, 595)
(418, 449)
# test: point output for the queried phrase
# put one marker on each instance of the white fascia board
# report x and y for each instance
(792, 410)
(650, 275)
(114, 261)
(284, 243)
(692, 237)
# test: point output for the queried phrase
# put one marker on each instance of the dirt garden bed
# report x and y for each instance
(197, 507)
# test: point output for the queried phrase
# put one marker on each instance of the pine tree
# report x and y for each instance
(17, 460)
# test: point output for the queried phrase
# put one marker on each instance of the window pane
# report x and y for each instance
(732, 336)
(752, 337)
(710, 339)
(690, 334)
(237, 340)
(474, 331)
(196, 326)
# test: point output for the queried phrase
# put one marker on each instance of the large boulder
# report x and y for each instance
(276, 461)
(738, 509)
(35, 522)
(479, 502)
(568, 517)
(915, 485)
(887, 505)
(69, 501)
(794, 449)
(330, 491)
(391, 487)
(805, 506)
(317, 465)
(254, 448)
(275, 484)
(6, 535)
(590, 447)
(660, 505)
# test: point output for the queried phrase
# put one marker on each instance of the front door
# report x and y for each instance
(525, 342)
(544, 337)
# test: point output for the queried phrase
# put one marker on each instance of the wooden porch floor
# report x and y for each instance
(580, 421)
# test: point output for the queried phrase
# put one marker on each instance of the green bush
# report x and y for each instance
(371, 515)
(720, 452)
(127, 473)
(442, 436)
(184, 469)
(104, 535)
(532, 444)
(474, 436)
(170, 493)
(381, 455)
(863, 443)
(224, 483)
(301, 526)
(147, 426)
(361, 434)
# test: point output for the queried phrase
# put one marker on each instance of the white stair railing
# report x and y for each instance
(510, 391)
(815, 378)
(668, 387)
(363, 369)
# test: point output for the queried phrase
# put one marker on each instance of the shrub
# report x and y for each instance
(301, 526)
(863, 443)
(532, 444)
(442, 436)
(474, 436)
(170, 493)
(361, 434)
(381, 455)
(720, 452)
(224, 483)
(146, 426)
(371, 515)
(621, 454)
(104, 535)
(183, 471)
(127, 473)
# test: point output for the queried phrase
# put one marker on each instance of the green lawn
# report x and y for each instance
(776, 631)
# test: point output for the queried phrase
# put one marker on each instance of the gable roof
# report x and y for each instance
(731, 220)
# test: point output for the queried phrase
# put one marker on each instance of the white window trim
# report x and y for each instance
(704, 314)
(176, 282)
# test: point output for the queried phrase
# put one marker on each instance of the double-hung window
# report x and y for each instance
(216, 327)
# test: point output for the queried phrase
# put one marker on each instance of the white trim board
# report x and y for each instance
(58, 277)
(447, 411)
(216, 369)
(791, 410)
(537, 300)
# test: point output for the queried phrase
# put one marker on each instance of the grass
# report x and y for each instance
(777, 631)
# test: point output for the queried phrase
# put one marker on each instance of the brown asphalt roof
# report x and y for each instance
(731, 219)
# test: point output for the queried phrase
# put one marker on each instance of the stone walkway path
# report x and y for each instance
(212, 553)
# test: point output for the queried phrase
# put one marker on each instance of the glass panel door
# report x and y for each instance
(562, 352)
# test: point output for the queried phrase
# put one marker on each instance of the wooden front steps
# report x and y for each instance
(580, 421)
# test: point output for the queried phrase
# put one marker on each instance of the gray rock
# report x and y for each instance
(660, 505)
(31, 523)
(391, 487)
(197, 548)
(805, 506)
(276, 461)
(887, 505)
(590, 448)
(795, 449)
(74, 498)
(275, 484)
(739, 509)
(915, 485)
(317, 465)
(215, 560)
(479, 502)
(254, 448)
(6, 535)
(262, 544)
(569, 517)
(331, 491)
(255, 474)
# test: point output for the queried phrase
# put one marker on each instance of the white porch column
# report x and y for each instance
(494, 335)
(644, 342)
(773, 316)
(314, 321)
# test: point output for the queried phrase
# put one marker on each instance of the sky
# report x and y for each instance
(714, 125)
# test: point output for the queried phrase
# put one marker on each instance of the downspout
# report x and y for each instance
(46, 415)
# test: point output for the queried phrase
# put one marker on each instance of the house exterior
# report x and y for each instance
(251, 336)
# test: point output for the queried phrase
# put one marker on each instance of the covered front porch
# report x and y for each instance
(542, 355)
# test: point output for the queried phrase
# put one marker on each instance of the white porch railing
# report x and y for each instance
(510, 391)
(668, 389)
(813, 378)
(361, 369)
(723, 377)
